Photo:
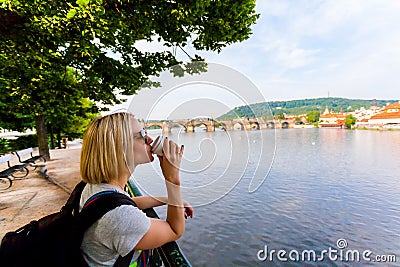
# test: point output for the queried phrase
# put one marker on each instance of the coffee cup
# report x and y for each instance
(157, 146)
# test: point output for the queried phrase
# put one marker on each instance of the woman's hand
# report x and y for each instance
(171, 161)
(189, 211)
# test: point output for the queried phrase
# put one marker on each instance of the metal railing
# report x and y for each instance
(170, 253)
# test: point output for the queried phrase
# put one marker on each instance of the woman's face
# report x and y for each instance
(141, 147)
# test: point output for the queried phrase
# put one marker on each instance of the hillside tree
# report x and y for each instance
(350, 121)
(313, 116)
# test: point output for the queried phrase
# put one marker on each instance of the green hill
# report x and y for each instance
(302, 106)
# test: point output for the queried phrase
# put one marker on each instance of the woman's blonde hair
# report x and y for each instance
(107, 148)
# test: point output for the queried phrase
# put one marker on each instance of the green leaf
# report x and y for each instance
(82, 3)
(71, 13)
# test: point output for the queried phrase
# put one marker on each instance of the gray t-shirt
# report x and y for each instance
(116, 233)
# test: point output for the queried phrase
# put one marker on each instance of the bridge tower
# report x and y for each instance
(189, 127)
(210, 126)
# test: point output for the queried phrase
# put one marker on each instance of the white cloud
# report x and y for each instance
(297, 57)
(348, 47)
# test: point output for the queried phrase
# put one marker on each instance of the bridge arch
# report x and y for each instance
(197, 125)
(177, 125)
(221, 126)
(238, 126)
(153, 125)
(271, 125)
(254, 125)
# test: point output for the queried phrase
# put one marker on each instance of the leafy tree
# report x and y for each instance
(279, 116)
(69, 114)
(41, 40)
(313, 116)
(350, 121)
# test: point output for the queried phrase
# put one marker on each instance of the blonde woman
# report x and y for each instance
(113, 146)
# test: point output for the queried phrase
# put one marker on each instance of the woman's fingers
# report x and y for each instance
(172, 147)
(189, 211)
(171, 161)
(173, 153)
(166, 146)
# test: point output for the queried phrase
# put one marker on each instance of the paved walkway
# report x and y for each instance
(34, 197)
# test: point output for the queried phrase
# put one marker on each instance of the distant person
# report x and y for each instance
(65, 142)
(113, 146)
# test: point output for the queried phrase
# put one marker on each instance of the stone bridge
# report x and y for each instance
(227, 125)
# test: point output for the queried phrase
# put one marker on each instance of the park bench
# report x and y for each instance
(16, 171)
(40, 167)
(32, 159)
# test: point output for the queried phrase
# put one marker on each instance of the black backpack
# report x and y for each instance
(55, 239)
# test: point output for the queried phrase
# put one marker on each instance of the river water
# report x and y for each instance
(324, 189)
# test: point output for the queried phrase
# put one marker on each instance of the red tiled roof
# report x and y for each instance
(393, 106)
(386, 115)
(331, 115)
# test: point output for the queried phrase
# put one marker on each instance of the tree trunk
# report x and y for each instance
(59, 139)
(52, 144)
(42, 137)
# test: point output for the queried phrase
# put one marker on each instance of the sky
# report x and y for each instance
(307, 49)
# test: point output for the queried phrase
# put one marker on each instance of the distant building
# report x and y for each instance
(303, 118)
(363, 115)
(331, 119)
(297, 119)
(390, 116)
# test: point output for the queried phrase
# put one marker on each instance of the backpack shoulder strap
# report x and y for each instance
(95, 208)
(74, 198)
